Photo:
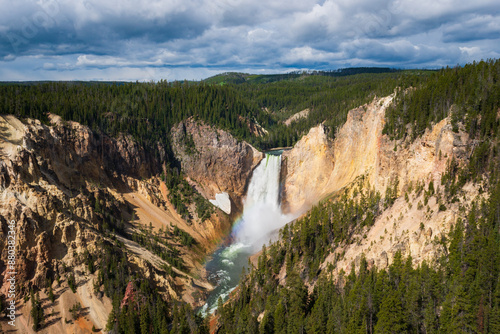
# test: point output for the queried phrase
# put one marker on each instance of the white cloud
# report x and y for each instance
(308, 55)
(108, 61)
(119, 38)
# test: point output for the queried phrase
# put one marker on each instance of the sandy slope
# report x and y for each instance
(146, 212)
(12, 131)
(301, 114)
(57, 317)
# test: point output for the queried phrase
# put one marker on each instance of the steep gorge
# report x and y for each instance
(214, 161)
(360, 157)
(70, 191)
(398, 203)
(62, 184)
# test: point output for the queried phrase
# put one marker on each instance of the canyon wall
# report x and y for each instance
(49, 187)
(214, 160)
(306, 170)
(318, 166)
(68, 188)
(362, 157)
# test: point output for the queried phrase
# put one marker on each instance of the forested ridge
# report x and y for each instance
(149, 110)
(458, 293)
(470, 93)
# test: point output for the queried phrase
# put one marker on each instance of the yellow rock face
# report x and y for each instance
(307, 169)
(318, 166)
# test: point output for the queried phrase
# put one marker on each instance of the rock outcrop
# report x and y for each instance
(306, 170)
(49, 190)
(254, 127)
(214, 159)
(295, 117)
(317, 166)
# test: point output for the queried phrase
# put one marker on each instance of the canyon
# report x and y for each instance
(68, 188)
(61, 182)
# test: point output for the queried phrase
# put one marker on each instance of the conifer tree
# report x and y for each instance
(36, 311)
(279, 319)
(391, 317)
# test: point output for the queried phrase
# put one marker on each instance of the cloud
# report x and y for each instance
(98, 27)
(476, 27)
(63, 38)
(308, 56)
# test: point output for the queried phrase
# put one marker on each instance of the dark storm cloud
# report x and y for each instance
(40, 29)
(50, 39)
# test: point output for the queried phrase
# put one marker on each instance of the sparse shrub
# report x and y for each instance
(75, 310)
(51, 294)
(36, 311)
(72, 282)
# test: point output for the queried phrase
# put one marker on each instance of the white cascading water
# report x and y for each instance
(261, 212)
(261, 216)
(264, 185)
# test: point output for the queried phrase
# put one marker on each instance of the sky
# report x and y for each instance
(150, 40)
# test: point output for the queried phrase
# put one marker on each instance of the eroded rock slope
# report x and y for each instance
(71, 191)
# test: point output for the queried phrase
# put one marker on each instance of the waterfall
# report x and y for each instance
(264, 185)
(261, 216)
(261, 210)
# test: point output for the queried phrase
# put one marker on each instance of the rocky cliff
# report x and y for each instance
(48, 183)
(318, 167)
(214, 160)
(70, 191)
(306, 170)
